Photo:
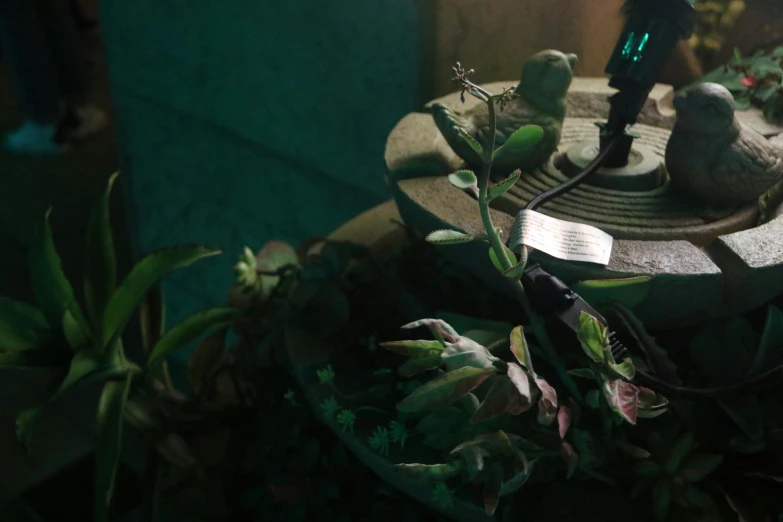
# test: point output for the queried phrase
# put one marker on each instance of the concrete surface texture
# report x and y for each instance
(242, 122)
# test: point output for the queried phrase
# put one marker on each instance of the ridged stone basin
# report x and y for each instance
(704, 263)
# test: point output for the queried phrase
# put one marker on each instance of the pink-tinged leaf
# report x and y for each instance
(444, 390)
(413, 348)
(519, 379)
(493, 480)
(650, 404)
(418, 365)
(440, 329)
(502, 397)
(570, 457)
(563, 420)
(547, 404)
(623, 398)
(520, 349)
(466, 352)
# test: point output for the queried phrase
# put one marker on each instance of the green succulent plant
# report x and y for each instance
(59, 333)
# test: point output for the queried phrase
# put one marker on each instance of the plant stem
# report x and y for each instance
(537, 325)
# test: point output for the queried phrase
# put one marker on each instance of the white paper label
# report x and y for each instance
(560, 239)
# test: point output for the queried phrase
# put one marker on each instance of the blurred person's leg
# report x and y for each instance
(83, 117)
(33, 75)
(42, 48)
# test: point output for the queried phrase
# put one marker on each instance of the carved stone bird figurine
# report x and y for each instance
(711, 155)
(546, 77)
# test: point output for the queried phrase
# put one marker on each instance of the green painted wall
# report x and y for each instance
(242, 121)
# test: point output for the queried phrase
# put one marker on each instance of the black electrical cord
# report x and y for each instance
(561, 189)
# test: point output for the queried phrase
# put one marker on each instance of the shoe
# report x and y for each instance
(84, 121)
(36, 139)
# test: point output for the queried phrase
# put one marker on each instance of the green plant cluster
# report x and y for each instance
(58, 334)
(577, 432)
(754, 80)
(714, 18)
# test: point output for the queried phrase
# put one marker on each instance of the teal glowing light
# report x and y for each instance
(628, 45)
(631, 49)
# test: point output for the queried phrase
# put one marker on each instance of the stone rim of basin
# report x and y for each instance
(696, 275)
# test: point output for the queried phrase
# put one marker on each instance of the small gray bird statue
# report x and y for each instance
(711, 155)
(546, 77)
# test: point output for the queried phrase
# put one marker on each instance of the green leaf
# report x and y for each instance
(473, 460)
(662, 497)
(742, 103)
(466, 352)
(22, 327)
(189, 330)
(502, 187)
(522, 140)
(440, 329)
(682, 447)
(520, 349)
(770, 350)
(431, 472)
(493, 481)
(100, 278)
(513, 484)
(76, 336)
(52, 289)
(145, 416)
(448, 237)
(593, 399)
(633, 451)
(413, 348)
(141, 278)
(503, 396)
(496, 262)
(647, 468)
(593, 336)
(470, 140)
(624, 369)
(601, 293)
(83, 363)
(463, 179)
(445, 389)
(24, 424)
(697, 467)
(111, 421)
(420, 364)
(585, 373)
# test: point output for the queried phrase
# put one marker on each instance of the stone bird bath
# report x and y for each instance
(704, 263)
